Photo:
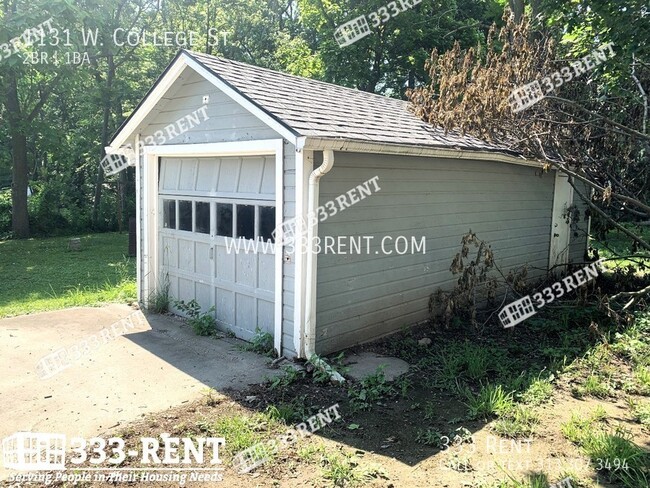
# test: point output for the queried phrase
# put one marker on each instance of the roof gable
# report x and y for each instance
(301, 107)
(164, 84)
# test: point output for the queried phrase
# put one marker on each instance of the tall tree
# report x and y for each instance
(22, 26)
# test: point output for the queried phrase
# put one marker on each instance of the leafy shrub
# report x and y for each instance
(203, 324)
(261, 343)
(371, 389)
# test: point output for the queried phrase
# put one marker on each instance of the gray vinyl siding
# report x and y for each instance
(227, 121)
(579, 238)
(361, 297)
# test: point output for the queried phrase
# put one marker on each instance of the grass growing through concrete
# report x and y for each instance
(44, 275)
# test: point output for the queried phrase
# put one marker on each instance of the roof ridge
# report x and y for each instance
(289, 75)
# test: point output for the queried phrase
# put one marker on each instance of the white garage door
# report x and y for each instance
(208, 205)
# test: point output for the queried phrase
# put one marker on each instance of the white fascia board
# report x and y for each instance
(148, 104)
(238, 148)
(317, 144)
(242, 101)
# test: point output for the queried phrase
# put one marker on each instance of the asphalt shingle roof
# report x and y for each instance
(317, 109)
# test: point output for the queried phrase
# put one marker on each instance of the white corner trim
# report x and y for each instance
(560, 238)
(138, 229)
(149, 227)
(317, 144)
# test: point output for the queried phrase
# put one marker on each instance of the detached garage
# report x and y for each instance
(273, 148)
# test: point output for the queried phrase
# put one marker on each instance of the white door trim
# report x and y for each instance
(217, 149)
(560, 229)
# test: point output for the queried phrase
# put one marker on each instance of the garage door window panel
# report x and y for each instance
(169, 214)
(246, 221)
(202, 217)
(266, 223)
(224, 219)
(185, 215)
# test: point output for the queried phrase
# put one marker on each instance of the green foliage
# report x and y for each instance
(489, 401)
(340, 469)
(432, 437)
(470, 360)
(5, 213)
(212, 397)
(369, 391)
(538, 392)
(82, 106)
(242, 431)
(296, 410)
(159, 298)
(516, 422)
(261, 343)
(310, 451)
(203, 324)
(594, 386)
(403, 384)
(291, 375)
(344, 470)
(640, 412)
(430, 412)
(612, 452)
(325, 369)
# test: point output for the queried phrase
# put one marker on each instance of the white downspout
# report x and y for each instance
(309, 343)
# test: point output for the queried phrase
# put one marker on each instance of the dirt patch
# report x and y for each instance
(435, 426)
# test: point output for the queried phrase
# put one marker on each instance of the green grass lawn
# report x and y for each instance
(617, 243)
(41, 274)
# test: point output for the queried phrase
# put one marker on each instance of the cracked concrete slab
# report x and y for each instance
(156, 363)
(367, 363)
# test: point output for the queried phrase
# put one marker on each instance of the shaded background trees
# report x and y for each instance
(57, 117)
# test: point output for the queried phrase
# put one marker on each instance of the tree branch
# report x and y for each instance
(622, 127)
(609, 219)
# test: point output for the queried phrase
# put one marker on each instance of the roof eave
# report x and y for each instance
(349, 145)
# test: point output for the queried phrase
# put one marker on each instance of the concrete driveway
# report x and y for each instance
(128, 370)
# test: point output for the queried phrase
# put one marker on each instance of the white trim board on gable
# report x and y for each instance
(166, 81)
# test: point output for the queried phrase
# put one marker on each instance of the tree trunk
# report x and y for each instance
(19, 215)
(106, 101)
(517, 7)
